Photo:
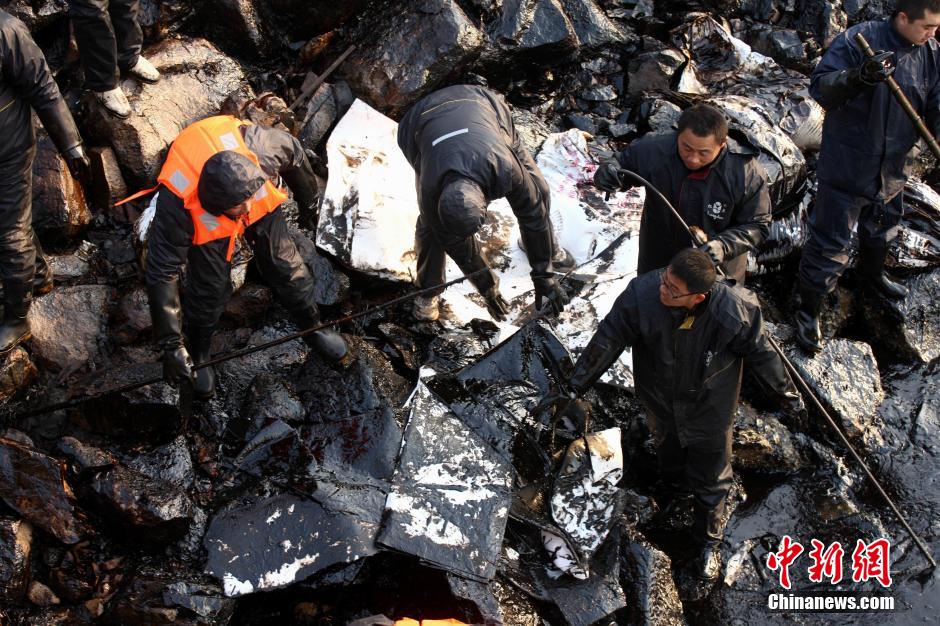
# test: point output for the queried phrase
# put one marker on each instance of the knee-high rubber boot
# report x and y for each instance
(708, 533)
(871, 265)
(807, 320)
(200, 346)
(15, 329)
(328, 344)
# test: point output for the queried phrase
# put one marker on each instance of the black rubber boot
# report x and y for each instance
(199, 341)
(15, 329)
(807, 320)
(708, 530)
(871, 266)
(708, 563)
(42, 279)
(328, 344)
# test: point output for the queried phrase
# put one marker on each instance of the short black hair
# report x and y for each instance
(695, 269)
(705, 120)
(915, 9)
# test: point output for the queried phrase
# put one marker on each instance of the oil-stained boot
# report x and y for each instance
(200, 347)
(15, 329)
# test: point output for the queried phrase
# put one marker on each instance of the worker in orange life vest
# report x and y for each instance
(219, 183)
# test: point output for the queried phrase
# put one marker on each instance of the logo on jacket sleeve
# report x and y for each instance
(715, 210)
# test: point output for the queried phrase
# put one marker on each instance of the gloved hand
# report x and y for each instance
(715, 250)
(308, 216)
(78, 163)
(794, 408)
(496, 304)
(177, 364)
(878, 68)
(607, 176)
(547, 288)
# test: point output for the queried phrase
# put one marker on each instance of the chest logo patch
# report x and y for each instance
(708, 357)
(715, 210)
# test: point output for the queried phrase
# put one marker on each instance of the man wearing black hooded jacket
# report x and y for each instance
(26, 82)
(691, 336)
(869, 146)
(714, 184)
(230, 193)
(465, 151)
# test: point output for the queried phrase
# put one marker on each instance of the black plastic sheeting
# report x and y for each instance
(273, 542)
(468, 441)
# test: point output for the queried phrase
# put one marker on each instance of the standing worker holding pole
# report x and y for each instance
(868, 148)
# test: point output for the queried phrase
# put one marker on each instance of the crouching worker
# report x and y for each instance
(465, 151)
(219, 183)
(690, 335)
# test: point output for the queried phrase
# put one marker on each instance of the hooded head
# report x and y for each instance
(228, 179)
(462, 207)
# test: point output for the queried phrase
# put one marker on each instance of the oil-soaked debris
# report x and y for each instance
(272, 542)
(152, 596)
(909, 330)
(63, 211)
(16, 543)
(69, 346)
(763, 444)
(138, 503)
(33, 484)
(450, 495)
(416, 482)
(844, 376)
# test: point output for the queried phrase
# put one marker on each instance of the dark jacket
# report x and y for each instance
(731, 202)
(171, 233)
(25, 81)
(467, 131)
(868, 144)
(689, 379)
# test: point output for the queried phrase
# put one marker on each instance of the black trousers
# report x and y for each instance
(109, 39)
(20, 253)
(704, 469)
(835, 214)
(209, 284)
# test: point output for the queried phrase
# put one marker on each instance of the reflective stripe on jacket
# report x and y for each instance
(180, 174)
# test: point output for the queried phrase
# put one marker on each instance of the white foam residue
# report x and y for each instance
(273, 516)
(231, 586)
(286, 574)
(423, 522)
(287, 545)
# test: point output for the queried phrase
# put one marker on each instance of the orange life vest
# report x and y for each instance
(180, 174)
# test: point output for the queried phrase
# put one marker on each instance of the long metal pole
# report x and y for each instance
(807, 390)
(903, 101)
(246, 351)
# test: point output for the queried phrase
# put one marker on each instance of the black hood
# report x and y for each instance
(462, 207)
(228, 179)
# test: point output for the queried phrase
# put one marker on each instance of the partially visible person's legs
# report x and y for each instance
(17, 250)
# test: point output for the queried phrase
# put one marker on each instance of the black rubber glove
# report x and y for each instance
(607, 176)
(308, 216)
(878, 68)
(496, 304)
(177, 365)
(78, 164)
(715, 250)
(548, 290)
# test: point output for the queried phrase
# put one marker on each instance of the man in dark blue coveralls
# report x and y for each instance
(868, 149)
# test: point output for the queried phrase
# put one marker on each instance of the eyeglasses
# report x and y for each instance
(669, 289)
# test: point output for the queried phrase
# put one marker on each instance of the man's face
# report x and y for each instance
(918, 31)
(238, 210)
(697, 152)
(674, 292)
